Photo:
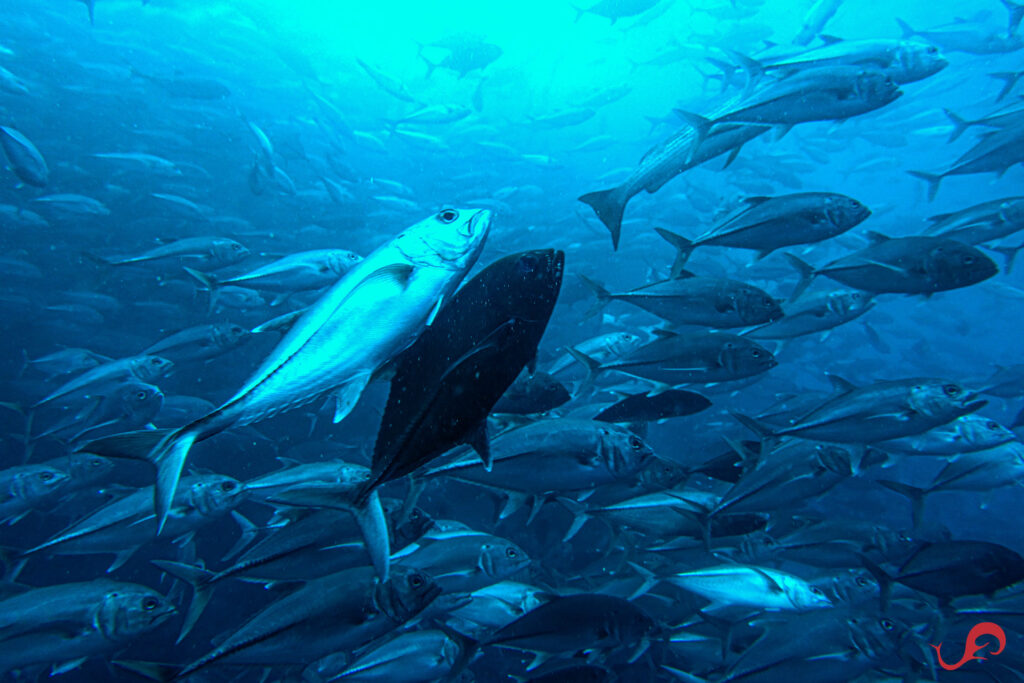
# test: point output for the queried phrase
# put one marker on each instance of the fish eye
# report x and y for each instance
(992, 424)
(95, 462)
(227, 487)
(756, 353)
(887, 624)
(353, 257)
(415, 580)
(141, 395)
(816, 591)
(155, 361)
(448, 216)
(951, 390)
(149, 604)
(511, 553)
(46, 476)
(635, 443)
(932, 50)
(236, 247)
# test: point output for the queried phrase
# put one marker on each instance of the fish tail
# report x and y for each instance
(166, 449)
(207, 282)
(1016, 13)
(201, 581)
(806, 271)
(884, 581)
(933, 180)
(959, 125)
(683, 247)
(1009, 78)
(752, 69)
(604, 297)
(914, 494)
(609, 207)
(769, 439)
(593, 368)
(701, 126)
(1009, 255)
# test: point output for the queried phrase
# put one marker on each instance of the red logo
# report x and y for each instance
(985, 628)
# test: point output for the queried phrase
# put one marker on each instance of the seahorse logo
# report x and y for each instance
(972, 646)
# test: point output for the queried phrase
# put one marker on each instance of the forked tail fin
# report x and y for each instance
(609, 207)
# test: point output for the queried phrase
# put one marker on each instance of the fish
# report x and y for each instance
(739, 585)
(449, 380)
(299, 272)
(539, 392)
(821, 13)
(817, 312)
(666, 160)
(25, 160)
(903, 265)
(765, 224)
(409, 277)
(691, 300)
(650, 408)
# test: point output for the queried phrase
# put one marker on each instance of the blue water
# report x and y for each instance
(288, 72)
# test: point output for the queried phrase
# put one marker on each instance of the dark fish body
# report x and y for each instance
(448, 381)
(720, 303)
(568, 455)
(650, 408)
(765, 224)
(911, 265)
(818, 312)
(536, 393)
(956, 568)
(883, 411)
(694, 359)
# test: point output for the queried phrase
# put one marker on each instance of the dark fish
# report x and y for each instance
(765, 224)
(649, 408)
(687, 299)
(536, 393)
(26, 161)
(877, 412)
(819, 312)
(448, 381)
(200, 343)
(595, 622)
(954, 568)
(994, 153)
(904, 265)
(675, 359)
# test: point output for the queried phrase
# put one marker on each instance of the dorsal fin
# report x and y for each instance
(840, 385)
(827, 39)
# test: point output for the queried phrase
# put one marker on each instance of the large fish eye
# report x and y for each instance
(155, 361)
(951, 390)
(141, 395)
(932, 50)
(887, 624)
(353, 257)
(992, 424)
(756, 353)
(236, 247)
(816, 591)
(862, 582)
(227, 487)
(95, 462)
(635, 443)
(511, 553)
(46, 476)
(149, 604)
(415, 580)
(968, 259)
(448, 216)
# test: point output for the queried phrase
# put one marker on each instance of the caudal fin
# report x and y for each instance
(201, 581)
(959, 125)
(166, 449)
(592, 365)
(207, 282)
(932, 179)
(914, 494)
(1009, 78)
(683, 247)
(701, 126)
(604, 297)
(1009, 256)
(1016, 13)
(769, 439)
(609, 205)
(806, 271)
(364, 506)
